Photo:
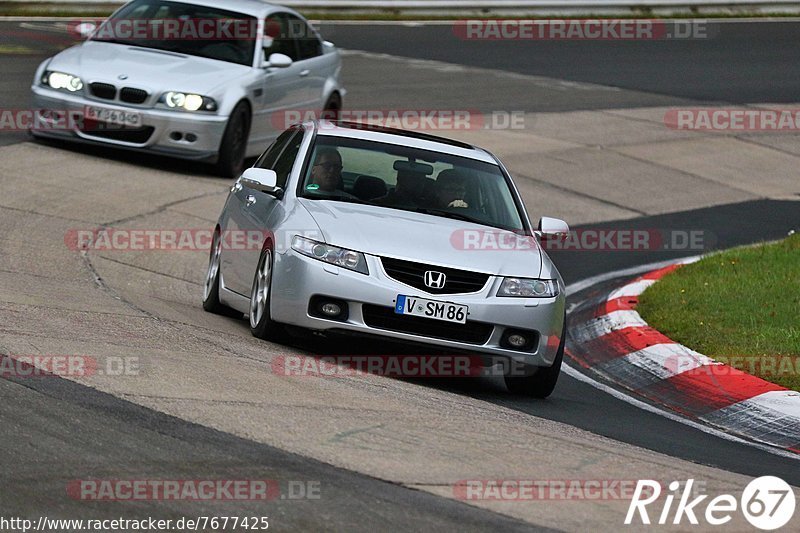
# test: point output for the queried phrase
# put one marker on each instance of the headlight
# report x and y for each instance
(188, 101)
(61, 80)
(331, 254)
(528, 288)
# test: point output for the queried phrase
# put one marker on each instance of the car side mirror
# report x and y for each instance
(277, 61)
(85, 29)
(261, 179)
(552, 227)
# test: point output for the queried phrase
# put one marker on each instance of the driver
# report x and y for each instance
(326, 172)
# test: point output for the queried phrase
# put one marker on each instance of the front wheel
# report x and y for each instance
(543, 382)
(233, 147)
(211, 301)
(261, 323)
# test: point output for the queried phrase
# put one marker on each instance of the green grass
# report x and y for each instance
(740, 307)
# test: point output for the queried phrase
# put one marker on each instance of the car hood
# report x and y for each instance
(145, 68)
(425, 238)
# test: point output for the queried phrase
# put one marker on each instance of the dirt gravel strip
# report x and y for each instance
(611, 339)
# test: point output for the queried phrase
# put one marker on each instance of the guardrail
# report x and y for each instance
(457, 7)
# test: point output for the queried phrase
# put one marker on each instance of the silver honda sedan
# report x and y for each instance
(347, 228)
(189, 79)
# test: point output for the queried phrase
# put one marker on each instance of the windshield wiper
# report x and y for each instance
(460, 216)
(115, 41)
(337, 198)
(450, 214)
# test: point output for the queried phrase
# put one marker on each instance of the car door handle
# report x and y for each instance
(305, 72)
(250, 200)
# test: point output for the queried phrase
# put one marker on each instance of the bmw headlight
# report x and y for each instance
(528, 288)
(62, 80)
(331, 254)
(188, 101)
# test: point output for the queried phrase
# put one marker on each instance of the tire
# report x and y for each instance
(332, 107)
(233, 148)
(261, 323)
(543, 382)
(211, 301)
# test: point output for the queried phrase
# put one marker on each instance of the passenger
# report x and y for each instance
(450, 190)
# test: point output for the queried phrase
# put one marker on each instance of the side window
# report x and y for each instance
(267, 159)
(278, 36)
(308, 43)
(283, 166)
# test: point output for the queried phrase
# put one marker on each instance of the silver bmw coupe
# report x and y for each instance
(359, 229)
(189, 79)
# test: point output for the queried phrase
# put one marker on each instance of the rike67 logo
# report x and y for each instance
(767, 503)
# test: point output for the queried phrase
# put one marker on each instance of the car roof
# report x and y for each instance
(424, 141)
(255, 8)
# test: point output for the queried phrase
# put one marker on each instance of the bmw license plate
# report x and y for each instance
(113, 116)
(449, 312)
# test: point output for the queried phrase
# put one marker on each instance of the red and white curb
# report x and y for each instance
(611, 339)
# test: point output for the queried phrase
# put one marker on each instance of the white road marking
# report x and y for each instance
(667, 360)
(767, 400)
(632, 289)
(602, 325)
(584, 284)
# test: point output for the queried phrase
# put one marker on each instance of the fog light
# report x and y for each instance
(328, 308)
(331, 309)
(517, 341)
(523, 340)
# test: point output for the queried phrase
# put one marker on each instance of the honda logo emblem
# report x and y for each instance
(435, 280)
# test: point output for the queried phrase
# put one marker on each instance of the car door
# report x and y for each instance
(315, 66)
(282, 89)
(250, 212)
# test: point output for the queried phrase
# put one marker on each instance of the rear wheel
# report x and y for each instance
(261, 323)
(543, 382)
(211, 301)
(233, 148)
(332, 107)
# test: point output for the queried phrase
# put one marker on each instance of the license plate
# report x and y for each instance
(114, 116)
(449, 312)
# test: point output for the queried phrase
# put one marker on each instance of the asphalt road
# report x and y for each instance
(60, 432)
(52, 449)
(739, 62)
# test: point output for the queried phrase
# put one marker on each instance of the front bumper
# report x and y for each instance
(158, 132)
(297, 278)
